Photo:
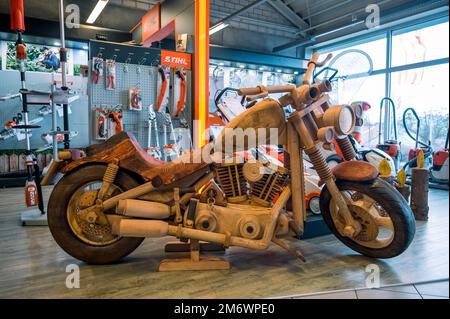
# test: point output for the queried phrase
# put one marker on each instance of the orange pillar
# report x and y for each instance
(201, 69)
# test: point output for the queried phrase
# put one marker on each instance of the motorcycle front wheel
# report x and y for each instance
(91, 243)
(388, 224)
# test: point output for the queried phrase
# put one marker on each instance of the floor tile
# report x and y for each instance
(410, 289)
(335, 295)
(433, 297)
(434, 289)
(384, 294)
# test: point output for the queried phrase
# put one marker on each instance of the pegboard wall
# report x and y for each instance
(136, 68)
(128, 76)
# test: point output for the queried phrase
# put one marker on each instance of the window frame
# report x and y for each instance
(389, 70)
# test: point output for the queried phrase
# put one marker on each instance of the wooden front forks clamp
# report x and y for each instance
(352, 228)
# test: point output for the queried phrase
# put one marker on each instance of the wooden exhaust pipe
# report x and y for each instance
(140, 228)
(154, 228)
(142, 209)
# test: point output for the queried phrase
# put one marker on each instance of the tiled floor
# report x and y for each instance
(33, 266)
(430, 290)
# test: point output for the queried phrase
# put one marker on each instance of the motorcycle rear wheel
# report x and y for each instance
(93, 244)
(380, 209)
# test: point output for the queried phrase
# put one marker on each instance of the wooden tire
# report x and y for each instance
(391, 203)
(61, 229)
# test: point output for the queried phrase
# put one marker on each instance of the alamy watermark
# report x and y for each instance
(72, 19)
(373, 277)
(373, 20)
(233, 145)
(73, 279)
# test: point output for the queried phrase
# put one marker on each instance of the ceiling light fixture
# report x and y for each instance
(218, 27)
(101, 4)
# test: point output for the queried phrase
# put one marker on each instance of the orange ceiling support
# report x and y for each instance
(201, 68)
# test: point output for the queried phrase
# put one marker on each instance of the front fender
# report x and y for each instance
(355, 171)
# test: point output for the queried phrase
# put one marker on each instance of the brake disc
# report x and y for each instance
(369, 227)
(91, 231)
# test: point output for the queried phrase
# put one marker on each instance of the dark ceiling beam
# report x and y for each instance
(289, 14)
(46, 29)
(394, 14)
(260, 23)
(241, 11)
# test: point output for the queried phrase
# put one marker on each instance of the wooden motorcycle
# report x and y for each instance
(110, 200)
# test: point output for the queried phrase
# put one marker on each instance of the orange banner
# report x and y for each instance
(151, 22)
(176, 59)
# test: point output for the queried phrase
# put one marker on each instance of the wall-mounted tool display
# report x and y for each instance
(134, 99)
(116, 117)
(179, 92)
(101, 124)
(163, 87)
(153, 146)
(156, 101)
(110, 74)
(97, 69)
(170, 147)
(108, 121)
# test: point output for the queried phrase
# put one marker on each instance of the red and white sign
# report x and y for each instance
(176, 59)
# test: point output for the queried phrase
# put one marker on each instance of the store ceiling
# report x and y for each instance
(120, 15)
(270, 26)
(298, 22)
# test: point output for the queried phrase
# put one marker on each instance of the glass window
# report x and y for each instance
(425, 90)
(375, 49)
(371, 90)
(421, 45)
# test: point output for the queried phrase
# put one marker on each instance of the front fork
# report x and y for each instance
(306, 142)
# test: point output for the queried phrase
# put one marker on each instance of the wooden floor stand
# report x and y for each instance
(180, 247)
(195, 262)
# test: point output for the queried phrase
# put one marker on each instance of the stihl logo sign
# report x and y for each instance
(176, 59)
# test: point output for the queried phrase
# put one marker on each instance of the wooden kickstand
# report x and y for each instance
(195, 262)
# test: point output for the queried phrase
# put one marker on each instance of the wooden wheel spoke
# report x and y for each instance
(377, 243)
(385, 222)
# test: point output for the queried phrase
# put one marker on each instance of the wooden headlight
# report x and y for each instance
(342, 118)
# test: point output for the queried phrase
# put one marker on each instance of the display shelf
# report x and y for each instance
(314, 227)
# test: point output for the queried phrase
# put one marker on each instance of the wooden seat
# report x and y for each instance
(131, 156)
(355, 171)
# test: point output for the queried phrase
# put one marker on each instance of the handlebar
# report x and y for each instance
(263, 89)
(312, 64)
